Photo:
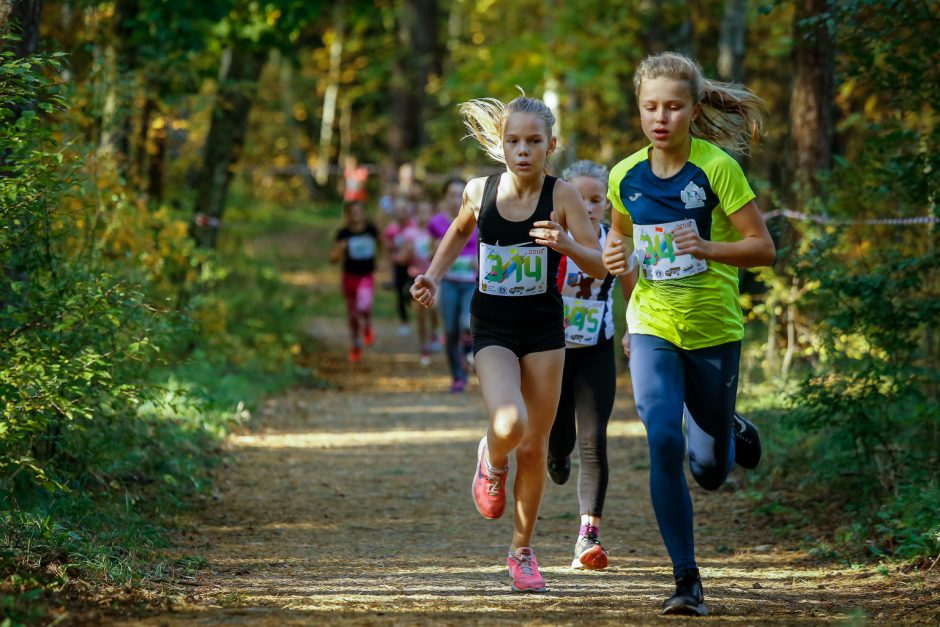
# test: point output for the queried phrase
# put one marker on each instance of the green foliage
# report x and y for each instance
(126, 354)
(858, 303)
(871, 408)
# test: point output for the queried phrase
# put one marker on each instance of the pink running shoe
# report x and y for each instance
(488, 488)
(524, 570)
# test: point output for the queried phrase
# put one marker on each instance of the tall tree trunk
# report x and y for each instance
(345, 128)
(142, 150)
(27, 14)
(811, 120)
(6, 7)
(731, 42)
(419, 57)
(120, 62)
(156, 140)
(324, 155)
(241, 67)
(297, 153)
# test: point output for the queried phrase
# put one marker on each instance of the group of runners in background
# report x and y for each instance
(524, 272)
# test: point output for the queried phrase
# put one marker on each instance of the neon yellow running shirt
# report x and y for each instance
(676, 298)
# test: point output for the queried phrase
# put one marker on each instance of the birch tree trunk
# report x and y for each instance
(324, 155)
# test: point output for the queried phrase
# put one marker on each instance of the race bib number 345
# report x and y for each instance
(583, 320)
(513, 270)
(658, 258)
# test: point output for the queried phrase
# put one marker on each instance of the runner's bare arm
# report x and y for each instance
(571, 215)
(619, 239)
(755, 248)
(627, 283)
(338, 250)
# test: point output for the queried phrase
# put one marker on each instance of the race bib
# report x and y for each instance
(463, 270)
(513, 270)
(583, 320)
(361, 247)
(657, 256)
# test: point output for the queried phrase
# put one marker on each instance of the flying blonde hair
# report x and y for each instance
(485, 118)
(731, 115)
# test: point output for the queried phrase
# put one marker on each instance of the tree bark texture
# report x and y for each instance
(420, 57)
(731, 42)
(241, 68)
(330, 96)
(26, 13)
(811, 119)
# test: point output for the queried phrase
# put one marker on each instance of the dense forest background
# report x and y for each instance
(141, 142)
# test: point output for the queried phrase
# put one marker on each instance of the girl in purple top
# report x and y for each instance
(457, 285)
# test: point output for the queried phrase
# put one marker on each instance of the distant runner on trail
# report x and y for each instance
(356, 246)
(589, 381)
(686, 208)
(457, 286)
(394, 239)
(416, 250)
(522, 217)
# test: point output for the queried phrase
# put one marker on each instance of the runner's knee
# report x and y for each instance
(509, 422)
(667, 446)
(532, 450)
(710, 476)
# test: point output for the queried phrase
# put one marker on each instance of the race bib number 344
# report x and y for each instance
(658, 258)
(513, 270)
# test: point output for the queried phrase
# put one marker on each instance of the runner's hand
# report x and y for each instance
(625, 342)
(549, 233)
(687, 242)
(615, 257)
(424, 290)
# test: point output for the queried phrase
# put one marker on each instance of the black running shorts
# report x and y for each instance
(521, 340)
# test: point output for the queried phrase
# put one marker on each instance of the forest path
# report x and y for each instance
(351, 505)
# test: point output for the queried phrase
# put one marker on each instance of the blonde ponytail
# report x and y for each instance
(731, 115)
(485, 117)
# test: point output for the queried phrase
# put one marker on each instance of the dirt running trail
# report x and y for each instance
(351, 505)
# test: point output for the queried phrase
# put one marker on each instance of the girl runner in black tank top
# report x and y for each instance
(495, 230)
(519, 360)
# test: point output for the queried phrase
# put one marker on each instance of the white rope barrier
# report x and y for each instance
(805, 217)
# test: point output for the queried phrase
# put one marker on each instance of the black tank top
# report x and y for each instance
(493, 229)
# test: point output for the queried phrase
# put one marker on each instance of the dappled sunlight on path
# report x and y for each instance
(350, 504)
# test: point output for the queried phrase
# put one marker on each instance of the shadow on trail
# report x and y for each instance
(351, 505)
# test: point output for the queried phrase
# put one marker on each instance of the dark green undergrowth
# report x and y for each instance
(852, 435)
(94, 498)
(126, 356)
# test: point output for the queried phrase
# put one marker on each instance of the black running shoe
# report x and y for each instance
(589, 553)
(559, 469)
(689, 600)
(746, 442)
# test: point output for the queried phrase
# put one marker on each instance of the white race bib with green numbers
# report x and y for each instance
(513, 270)
(583, 320)
(658, 259)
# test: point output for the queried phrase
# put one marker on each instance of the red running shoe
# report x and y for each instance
(355, 354)
(368, 338)
(589, 553)
(524, 570)
(489, 488)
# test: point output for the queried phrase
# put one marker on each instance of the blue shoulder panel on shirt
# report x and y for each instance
(653, 200)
